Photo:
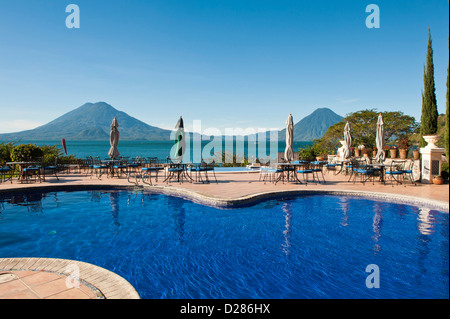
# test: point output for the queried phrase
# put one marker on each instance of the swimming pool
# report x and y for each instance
(314, 246)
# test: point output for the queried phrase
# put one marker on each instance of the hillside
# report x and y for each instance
(313, 126)
(92, 121)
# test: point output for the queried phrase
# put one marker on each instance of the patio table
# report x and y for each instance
(178, 170)
(22, 165)
(382, 168)
(289, 172)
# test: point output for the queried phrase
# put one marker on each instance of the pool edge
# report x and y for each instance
(222, 202)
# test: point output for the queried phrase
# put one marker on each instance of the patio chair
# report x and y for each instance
(31, 171)
(98, 168)
(50, 168)
(270, 172)
(331, 167)
(133, 165)
(395, 171)
(317, 167)
(85, 165)
(408, 172)
(263, 171)
(120, 167)
(304, 171)
(197, 170)
(209, 167)
(361, 170)
(153, 166)
(4, 172)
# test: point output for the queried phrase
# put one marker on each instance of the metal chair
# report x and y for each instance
(98, 167)
(270, 172)
(30, 171)
(5, 171)
(153, 165)
(305, 171)
(317, 167)
(50, 168)
(408, 172)
(361, 170)
(209, 167)
(395, 171)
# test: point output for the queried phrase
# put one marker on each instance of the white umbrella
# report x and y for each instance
(180, 143)
(380, 140)
(289, 152)
(114, 140)
(348, 141)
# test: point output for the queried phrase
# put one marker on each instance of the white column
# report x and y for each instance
(431, 159)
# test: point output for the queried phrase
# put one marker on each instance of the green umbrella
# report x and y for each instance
(180, 143)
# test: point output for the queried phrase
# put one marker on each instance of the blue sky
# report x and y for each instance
(228, 63)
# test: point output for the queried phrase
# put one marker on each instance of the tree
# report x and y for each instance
(363, 126)
(429, 118)
(446, 135)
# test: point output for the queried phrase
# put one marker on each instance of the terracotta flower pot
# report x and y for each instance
(393, 153)
(438, 180)
(403, 153)
(357, 152)
(416, 154)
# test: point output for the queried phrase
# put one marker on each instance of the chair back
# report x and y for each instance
(397, 166)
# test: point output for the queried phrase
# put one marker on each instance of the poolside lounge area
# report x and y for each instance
(232, 188)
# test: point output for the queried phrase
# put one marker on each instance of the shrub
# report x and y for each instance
(50, 153)
(5, 152)
(444, 170)
(310, 152)
(26, 152)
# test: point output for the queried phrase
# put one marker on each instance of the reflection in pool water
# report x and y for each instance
(315, 246)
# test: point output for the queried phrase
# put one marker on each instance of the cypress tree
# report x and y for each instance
(429, 118)
(446, 137)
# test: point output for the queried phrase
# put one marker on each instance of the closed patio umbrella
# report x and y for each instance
(63, 142)
(114, 140)
(180, 143)
(348, 141)
(289, 152)
(380, 140)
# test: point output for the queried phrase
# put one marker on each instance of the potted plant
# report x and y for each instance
(357, 152)
(438, 180)
(393, 151)
(403, 147)
(374, 152)
(416, 153)
(319, 158)
(360, 150)
(367, 152)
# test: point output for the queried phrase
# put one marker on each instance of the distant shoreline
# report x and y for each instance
(147, 148)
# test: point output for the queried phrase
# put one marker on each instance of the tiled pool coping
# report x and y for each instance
(253, 198)
(211, 200)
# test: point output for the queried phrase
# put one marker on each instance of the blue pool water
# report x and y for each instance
(315, 246)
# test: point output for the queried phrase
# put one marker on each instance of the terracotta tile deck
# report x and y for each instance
(49, 278)
(28, 283)
(40, 285)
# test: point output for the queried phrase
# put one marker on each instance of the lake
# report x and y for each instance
(162, 149)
